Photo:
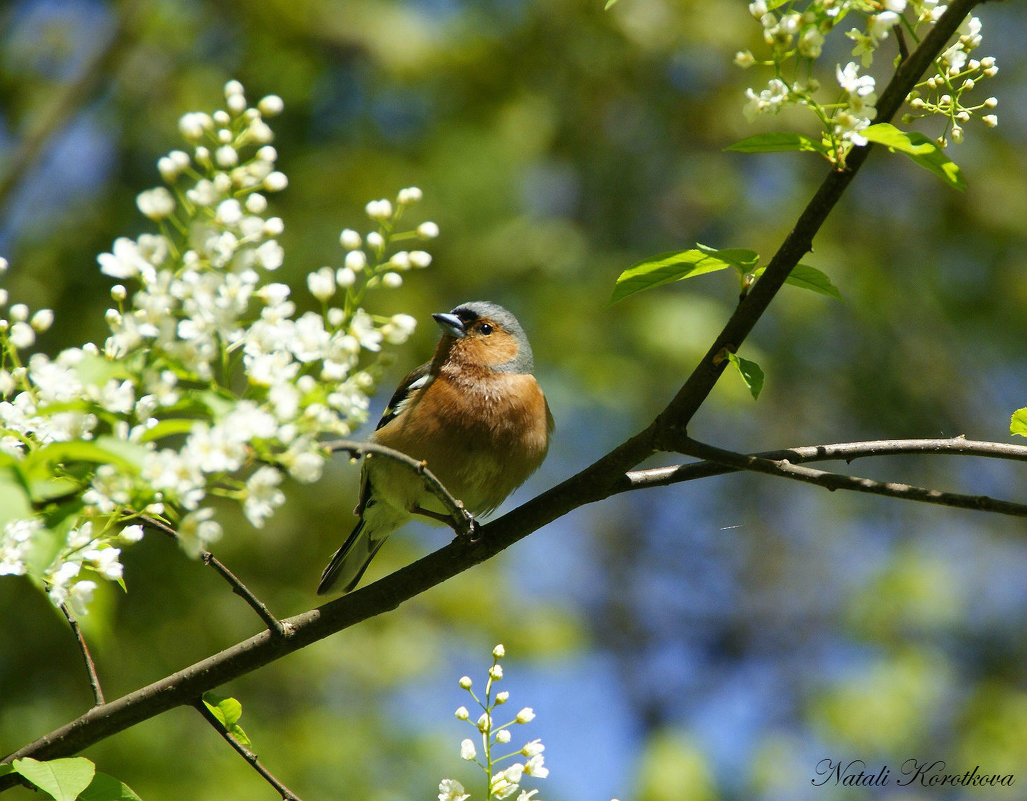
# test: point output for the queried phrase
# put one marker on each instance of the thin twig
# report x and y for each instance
(244, 752)
(94, 678)
(849, 451)
(273, 623)
(835, 481)
(458, 518)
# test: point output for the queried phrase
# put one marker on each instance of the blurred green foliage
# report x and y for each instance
(753, 628)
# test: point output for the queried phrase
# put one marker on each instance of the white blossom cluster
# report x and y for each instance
(502, 783)
(795, 30)
(210, 383)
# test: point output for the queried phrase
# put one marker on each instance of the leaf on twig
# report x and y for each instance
(1018, 423)
(750, 372)
(665, 268)
(918, 147)
(228, 711)
(107, 788)
(777, 142)
(63, 779)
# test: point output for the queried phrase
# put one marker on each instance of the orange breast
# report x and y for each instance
(482, 440)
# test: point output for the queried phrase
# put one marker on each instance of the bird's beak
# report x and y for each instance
(450, 324)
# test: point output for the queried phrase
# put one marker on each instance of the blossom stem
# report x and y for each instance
(94, 678)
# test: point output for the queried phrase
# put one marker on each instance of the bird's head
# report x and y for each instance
(485, 335)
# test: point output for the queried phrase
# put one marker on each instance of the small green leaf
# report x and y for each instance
(665, 268)
(750, 372)
(918, 147)
(1018, 423)
(742, 259)
(63, 779)
(228, 711)
(609, 5)
(777, 142)
(169, 427)
(802, 275)
(107, 788)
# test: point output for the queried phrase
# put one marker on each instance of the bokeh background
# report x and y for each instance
(706, 641)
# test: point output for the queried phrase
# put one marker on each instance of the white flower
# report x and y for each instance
(744, 59)
(503, 736)
(262, 495)
(269, 255)
(321, 283)
(356, 260)
(452, 790)
(535, 767)
(526, 715)
(496, 672)
(499, 651)
(349, 239)
(769, 101)
(306, 467)
(461, 713)
(197, 530)
(104, 561)
(379, 210)
(534, 748)
(467, 750)
(427, 230)
(125, 261)
(156, 203)
(276, 182)
(465, 683)
(409, 196)
(21, 335)
(133, 533)
(16, 544)
(484, 722)
(271, 105)
(42, 320)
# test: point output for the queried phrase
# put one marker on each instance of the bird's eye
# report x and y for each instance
(485, 329)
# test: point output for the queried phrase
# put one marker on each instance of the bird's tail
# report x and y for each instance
(351, 560)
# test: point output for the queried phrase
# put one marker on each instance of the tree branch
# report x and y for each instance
(94, 678)
(244, 752)
(957, 446)
(834, 481)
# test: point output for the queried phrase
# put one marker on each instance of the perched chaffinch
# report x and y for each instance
(474, 414)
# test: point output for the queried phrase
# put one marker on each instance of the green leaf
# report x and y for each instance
(609, 5)
(63, 779)
(15, 503)
(918, 147)
(665, 268)
(806, 277)
(1018, 423)
(750, 372)
(227, 711)
(107, 788)
(777, 142)
(102, 450)
(169, 427)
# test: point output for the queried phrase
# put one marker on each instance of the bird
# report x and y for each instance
(474, 414)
